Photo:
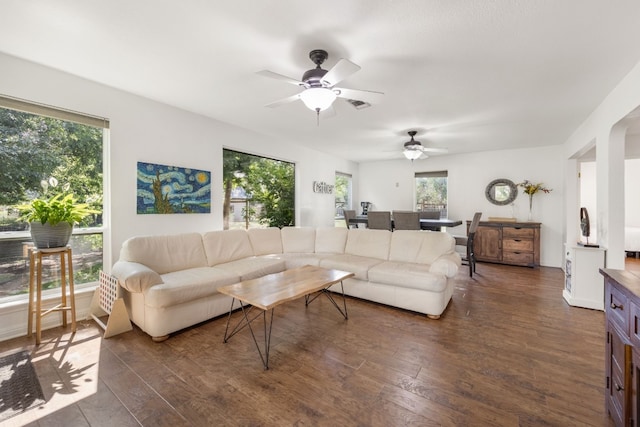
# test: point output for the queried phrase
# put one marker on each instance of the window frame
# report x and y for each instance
(30, 107)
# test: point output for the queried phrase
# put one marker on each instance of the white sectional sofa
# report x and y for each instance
(171, 281)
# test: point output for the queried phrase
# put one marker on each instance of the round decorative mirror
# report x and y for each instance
(501, 191)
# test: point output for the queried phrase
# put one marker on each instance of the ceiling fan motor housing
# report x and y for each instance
(313, 77)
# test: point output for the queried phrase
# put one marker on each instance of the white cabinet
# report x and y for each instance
(583, 283)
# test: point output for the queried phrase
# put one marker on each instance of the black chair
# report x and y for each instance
(350, 214)
(469, 257)
(406, 220)
(379, 220)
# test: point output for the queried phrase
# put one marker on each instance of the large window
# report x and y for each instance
(342, 192)
(45, 151)
(258, 192)
(431, 192)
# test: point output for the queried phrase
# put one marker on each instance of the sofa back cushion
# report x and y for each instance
(298, 240)
(369, 243)
(405, 245)
(164, 254)
(226, 246)
(435, 244)
(265, 241)
(331, 240)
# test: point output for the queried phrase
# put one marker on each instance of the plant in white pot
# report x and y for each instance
(52, 219)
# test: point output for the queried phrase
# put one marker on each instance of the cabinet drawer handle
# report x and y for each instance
(517, 240)
(618, 387)
(614, 306)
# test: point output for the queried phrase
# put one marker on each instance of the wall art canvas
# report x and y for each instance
(166, 189)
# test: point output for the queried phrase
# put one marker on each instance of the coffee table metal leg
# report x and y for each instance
(246, 321)
(308, 300)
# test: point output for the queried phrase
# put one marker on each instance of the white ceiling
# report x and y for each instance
(469, 75)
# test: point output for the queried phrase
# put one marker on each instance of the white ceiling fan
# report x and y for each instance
(319, 85)
(413, 149)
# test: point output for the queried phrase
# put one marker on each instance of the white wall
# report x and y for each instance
(390, 185)
(607, 124)
(631, 192)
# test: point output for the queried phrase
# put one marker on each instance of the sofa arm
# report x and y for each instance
(135, 277)
(446, 264)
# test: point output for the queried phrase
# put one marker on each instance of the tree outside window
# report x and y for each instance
(261, 191)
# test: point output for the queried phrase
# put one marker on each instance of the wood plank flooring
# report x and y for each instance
(508, 351)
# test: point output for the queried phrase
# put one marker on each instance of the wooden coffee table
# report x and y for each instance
(267, 292)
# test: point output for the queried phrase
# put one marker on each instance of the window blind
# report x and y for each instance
(53, 112)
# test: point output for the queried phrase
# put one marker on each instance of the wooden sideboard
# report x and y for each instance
(622, 362)
(505, 242)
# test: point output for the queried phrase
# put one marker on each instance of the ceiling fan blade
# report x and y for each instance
(343, 69)
(272, 75)
(360, 95)
(284, 101)
(434, 150)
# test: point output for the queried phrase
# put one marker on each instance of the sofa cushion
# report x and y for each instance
(353, 263)
(405, 245)
(265, 240)
(296, 259)
(226, 245)
(407, 275)
(331, 240)
(188, 285)
(434, 245)
(167, 253)
(298, 239)
(253, 267)
(369, 243)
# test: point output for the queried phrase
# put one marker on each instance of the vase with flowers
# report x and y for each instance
(529, 188)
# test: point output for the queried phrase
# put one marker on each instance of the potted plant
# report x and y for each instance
(52, 219)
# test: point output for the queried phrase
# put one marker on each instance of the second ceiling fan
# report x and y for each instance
(319, 84)
(413, 149)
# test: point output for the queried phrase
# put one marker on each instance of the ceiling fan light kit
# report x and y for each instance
(412, 153)
(318, 98)
(319, 85)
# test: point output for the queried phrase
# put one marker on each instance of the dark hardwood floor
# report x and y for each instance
(508, 351)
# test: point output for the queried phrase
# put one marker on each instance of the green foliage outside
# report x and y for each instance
(270, 184)
(341, 191)
(35, 148)
(431, 190)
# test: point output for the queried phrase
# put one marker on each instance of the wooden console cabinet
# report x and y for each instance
(622, 362)
(513, 243)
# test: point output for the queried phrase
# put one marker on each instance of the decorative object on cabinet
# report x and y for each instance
(530, 189)
(501, 192)
(513, 243)
(585, 228)
(583, 284)
(622, 362)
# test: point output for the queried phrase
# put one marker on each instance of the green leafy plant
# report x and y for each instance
(61, 207)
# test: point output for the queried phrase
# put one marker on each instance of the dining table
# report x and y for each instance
(425, 224)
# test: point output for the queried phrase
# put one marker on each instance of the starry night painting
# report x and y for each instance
(172, 190)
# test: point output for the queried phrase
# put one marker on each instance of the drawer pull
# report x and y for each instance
(618, 387)
(517, 240)
(614, 306)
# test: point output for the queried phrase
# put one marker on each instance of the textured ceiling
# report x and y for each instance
(469, 75)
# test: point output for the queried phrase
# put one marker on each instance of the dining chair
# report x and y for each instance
(379, 220)
(429, 214)
(350, 214)
(406, 220)
(469, 256)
